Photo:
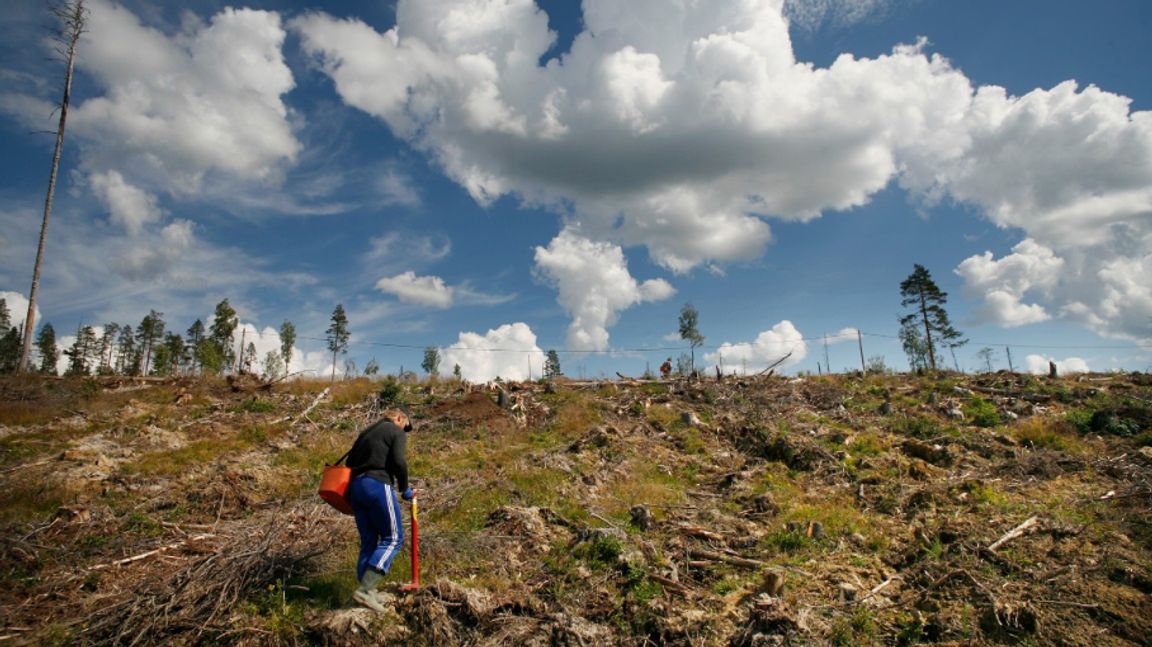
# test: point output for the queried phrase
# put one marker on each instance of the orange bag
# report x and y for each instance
(334, 484)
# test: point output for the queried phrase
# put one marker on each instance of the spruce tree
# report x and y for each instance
(927, 301)
(46, 346)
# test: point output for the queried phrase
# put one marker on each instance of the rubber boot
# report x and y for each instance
(366, 593)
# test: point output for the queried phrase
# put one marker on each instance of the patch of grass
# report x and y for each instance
(602, 551)
(922, 427)
(985, 494)
(176, 461)
(858, 628)
(31, 497)
(141, 525)
(1080, 419)
(1047, 434)
(867, 444)
(645, 483)
(278, 615)
(253, 405)
(982, 413)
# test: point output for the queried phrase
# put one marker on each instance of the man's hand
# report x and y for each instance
(408, 495)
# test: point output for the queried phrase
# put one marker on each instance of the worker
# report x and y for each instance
(666, 368)
(379, 471)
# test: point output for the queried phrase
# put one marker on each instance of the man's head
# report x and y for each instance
(399, 418)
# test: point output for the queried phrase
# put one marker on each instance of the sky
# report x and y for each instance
(499, 178)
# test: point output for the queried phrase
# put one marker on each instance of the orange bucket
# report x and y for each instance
(333, 486)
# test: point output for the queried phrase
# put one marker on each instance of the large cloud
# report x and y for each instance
(594, 286)
(176, 108)
(768, 348)
(683, 126)
(505, 352)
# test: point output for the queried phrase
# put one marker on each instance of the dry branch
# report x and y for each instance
(1014, 533)
(709, 555)
(145, 555)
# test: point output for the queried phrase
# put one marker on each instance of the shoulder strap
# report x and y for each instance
(342, 458)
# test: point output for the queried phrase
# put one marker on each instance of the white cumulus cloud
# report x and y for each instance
(506, 352)
(1038, 365)
(422, 290)
(176, 107)
(17, 305)
(594, 286)
(769, 347)
(686, 127)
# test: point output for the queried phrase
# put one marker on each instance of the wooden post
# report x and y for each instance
(827, 364)
(1008, 350)
(240, 355)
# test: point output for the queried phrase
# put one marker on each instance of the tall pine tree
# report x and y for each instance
(927, 301)
(337, 335)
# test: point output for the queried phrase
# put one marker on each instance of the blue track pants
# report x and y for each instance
(378, 519)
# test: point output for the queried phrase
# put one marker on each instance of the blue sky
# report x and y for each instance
(497, 179)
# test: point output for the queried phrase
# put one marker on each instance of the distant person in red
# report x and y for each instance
(666, 368)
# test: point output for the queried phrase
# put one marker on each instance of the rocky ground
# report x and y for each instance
(991, 509)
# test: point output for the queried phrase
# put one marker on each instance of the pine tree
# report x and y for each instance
(287, 340)
(927, 301)
(73, 19)
(689, 331)
(174, 349)
(46, 346)
(125, 350)
(195, 339)
(337, 335)
(552, 364)
(82, 352)
(431, 363)
(148, 334)
(107, 346)
(249, 359)
(224, 324)
(272, 365)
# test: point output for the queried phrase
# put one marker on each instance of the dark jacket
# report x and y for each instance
(379, 452)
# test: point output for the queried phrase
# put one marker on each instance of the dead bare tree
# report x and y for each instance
(72, 17)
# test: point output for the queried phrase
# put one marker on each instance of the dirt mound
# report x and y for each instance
(472, 409)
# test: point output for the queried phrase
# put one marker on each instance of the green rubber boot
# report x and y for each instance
(366, 593)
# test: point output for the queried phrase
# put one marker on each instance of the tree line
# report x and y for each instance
(151, 348)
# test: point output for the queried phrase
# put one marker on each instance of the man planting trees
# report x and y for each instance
(379, 470)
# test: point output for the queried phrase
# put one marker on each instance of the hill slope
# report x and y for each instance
(757, 511)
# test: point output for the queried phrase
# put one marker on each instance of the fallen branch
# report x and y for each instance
(696, 531)
(709, 555)
(668, 583)
(136, 558)
(323, 394)
(1014, 533)
(776, 363)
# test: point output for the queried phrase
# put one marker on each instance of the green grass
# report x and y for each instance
(982, 413)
